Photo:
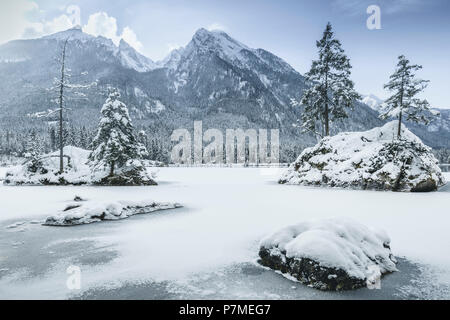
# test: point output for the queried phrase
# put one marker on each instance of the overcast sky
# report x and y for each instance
(420, 29)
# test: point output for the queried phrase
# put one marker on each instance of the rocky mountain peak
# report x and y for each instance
(216, 41)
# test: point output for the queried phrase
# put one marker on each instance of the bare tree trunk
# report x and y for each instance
(61, 104)
(399, 132)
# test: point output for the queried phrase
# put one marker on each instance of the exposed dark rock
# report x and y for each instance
(310, 272)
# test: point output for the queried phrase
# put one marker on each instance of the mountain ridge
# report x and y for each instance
(214, 78)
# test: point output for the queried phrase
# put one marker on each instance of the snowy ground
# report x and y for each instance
(207, 249)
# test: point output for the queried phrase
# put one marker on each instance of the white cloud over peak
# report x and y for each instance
(216, 26)
(69, 19)
(131, 38)
(101, 24)
(24, 19)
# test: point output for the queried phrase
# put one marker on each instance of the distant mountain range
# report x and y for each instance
(214, 78)
(373, 102)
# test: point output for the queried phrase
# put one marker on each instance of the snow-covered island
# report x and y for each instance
(374, 159)
(117, 157)
(76, 171)
(84, 212)
(331, 254)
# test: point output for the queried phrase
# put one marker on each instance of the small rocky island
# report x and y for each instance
(374, 159)
(332, 254)
(87, 211)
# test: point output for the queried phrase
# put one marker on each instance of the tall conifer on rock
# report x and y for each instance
(331, 89)
(404, 101)
(115, 146)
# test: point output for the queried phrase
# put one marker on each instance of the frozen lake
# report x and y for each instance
(208, 248)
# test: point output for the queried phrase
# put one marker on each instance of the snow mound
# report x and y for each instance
(373, 159)
(331, 254)
(86, 212)
(77, 172)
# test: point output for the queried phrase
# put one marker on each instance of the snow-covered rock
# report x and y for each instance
(93, 211)
(134, 173)
(330, 254)
(78, 172)
(373, 159)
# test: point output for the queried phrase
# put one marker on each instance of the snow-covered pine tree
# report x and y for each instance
(83, 138)
(115, 148)
(404, 101)
(52, 138)
(331, 89)
(114, 143)
(142, 144)
(34, 153)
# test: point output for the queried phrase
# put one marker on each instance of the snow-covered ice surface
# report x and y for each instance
(208, 248)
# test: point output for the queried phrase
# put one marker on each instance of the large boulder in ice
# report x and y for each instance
(84, 212)
(373, 159)
(332, 254)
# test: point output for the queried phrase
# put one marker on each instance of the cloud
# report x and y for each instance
(57, 24)
(67, 20)
(216, 26)
(130, 37)
(14, 18)
(23, 19)
(101, 24)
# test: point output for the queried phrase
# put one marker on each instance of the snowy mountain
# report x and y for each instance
(214, 78)
(132, 59)
(124, 53)
(373, 102)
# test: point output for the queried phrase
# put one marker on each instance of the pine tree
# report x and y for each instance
(83, 138)
(114, 143)
(34, 152)
(53, 140)
(71, 139)
(331, 89)
(142, 144)
(405, 88)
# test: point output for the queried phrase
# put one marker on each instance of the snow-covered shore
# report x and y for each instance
(227, 211)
